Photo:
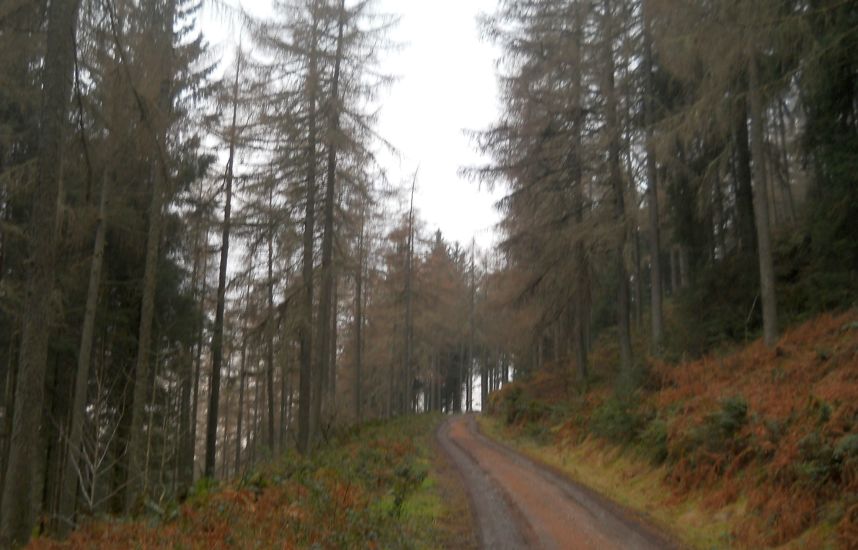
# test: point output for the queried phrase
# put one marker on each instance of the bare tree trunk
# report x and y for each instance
(217, 336)
(198, 361)
(744, 192)
(638, 288)
(656, 292)
(255, 421)
(17, 510)
(582, 282)
(612, 126)
(305, 420)
(408, 309)
(472, 326)
(269, 330)
(674, 269)
(224, 465)
(9, 402)
(359, 326)
(191, 379)
(761, 207)
(136, 447)
(286, 384)
(720, 237)
(332, 375)
(238, 424)
(184, 477)
(785, 177)
(151, 424)
(70, 479)
(323, 353)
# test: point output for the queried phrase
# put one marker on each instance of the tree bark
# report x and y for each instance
(761, 207)
(744, 190)
(656, 292)
(242, 376)
(359, 327)
(136, 445)
(17, 510)
(217, 336)
(198, 360)
(408, 306)
(612, 127)
(269, 329)
(323, 353)
(70, 476)
(305, 422)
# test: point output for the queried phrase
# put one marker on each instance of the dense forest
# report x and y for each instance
(203, 263)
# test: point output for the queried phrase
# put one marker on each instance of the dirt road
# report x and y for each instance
(520, 504)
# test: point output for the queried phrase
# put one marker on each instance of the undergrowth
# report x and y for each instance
(371, 488)
(770, 432)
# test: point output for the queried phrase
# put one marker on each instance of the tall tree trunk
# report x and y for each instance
(70, 476)
(305, 422)
(152, 394)
(745, 214)
(323, 353)
(9, 402)
(190, 379)
(224, 464)
(582, 279)
(242, 376)
(471, 326)
(674, 269)
(185, 445)
(785, 177)
(285, 382)
(198, 360)
(136, 447)
(17, 510)
(254, 448)
(720, 237)
(408, 383)
(656, 292)
(761, 206)
(359, 326)
(217, 336)
(612, 126)
(269, 340)
(332, 374)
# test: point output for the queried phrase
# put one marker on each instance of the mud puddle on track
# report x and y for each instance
(521, 504)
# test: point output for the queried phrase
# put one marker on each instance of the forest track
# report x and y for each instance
(519, 503)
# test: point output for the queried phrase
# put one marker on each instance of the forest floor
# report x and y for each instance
(750, 448)
(383, 485)
(523, 504)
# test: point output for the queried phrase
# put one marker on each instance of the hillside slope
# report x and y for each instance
(755, 448)
(380, 486)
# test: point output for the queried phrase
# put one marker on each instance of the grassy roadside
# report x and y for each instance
(633, 482)
(380, 486)
(625, 479)
(753, 448)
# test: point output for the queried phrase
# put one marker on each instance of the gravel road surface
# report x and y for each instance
(521, 504)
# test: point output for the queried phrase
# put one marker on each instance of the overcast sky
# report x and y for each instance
(446, 85)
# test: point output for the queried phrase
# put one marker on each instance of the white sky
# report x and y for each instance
(446, 85)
